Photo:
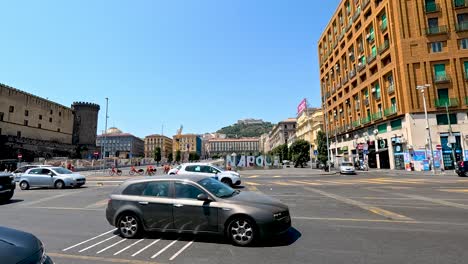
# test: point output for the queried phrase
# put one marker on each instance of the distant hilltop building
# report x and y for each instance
(34, 127)
(250, 121)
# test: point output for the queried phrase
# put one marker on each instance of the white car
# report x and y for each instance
(347, 168)
(56, 177)
(227, 177)
(18, 172)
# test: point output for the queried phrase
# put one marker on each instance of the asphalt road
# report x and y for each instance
(366, 218)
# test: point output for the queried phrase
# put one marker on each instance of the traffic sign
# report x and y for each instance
(96, 153)
(439, 147)
(315, 152)
(20, 156)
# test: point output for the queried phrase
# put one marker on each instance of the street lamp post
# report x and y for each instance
(428, 128)
(376, 142)
(103, 140)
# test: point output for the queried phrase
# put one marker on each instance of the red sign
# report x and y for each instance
(96, 153)
(439, 147)
(360, 146)
(20, 156)
(302, 106)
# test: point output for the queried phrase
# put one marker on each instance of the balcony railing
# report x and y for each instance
(463, 26)
(391, 89)
(356, 123)
(350, 23)
(371, 38)
(383, 26)
(432, 8)
(356, 14)
(345, 80)
(390, 111)
(377, 116)
(450, 102)
(352, 74)
(361, 66)
(436, 30)
(384, 47)
(334, 45)
(460, 3)
(366, 102)
(371, 58)
(442, 78)
(357, 106)
(342, 35)
(366, 120)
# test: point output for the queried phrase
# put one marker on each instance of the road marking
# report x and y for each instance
(89, 259)
(64, 208)
(122, 250)
(252, 177)
(427, 199)
(98, 204)
(373, 209)
(253, 189)
(336, 182)
(284, 183)
(306, 182)
(50, 198)
(164, 249)
(111, 246)
(277, 176)
(98, 243)
(352, 219)
(181, 250)
(81, 243)
(252, 183)
(141, 250)
(454, 190)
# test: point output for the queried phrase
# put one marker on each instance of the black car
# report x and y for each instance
(462, 169)
(21, 247)
(7, 186)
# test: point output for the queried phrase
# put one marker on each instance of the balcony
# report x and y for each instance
(463, 26)
(371, 58)
(365, 4)
(334, 45)
(377, 116)
(357, 106)
(460, 3)
(383, 26)
(384, 47)
(361, 66)
(366, 120)
(442, 78)
(432, 8)
(391, 89)
(436, 30)
(356, 123)
(449, 102)
(390, 111)
(345, 80)
(352, 74)
(342, 35)
(371, 38)
(366, 102)
(356, 14)
(350, 23)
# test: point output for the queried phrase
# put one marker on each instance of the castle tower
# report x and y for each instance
(85, 124)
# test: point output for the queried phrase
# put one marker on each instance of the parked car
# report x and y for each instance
(56, 177)
(204, 169)
(195, 204)
(286, 163)
(21, 247)
(7, 186)
(18, 172)
(462, 168)
(347, 168)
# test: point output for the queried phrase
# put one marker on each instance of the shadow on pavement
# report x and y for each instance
(12, 201)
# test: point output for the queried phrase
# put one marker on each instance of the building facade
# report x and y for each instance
(115, 143)
(85, 120)
(281, 133)
(227, 146)
(373, 56)
(154, 141)
(264, 143)
(250, 121)
(186, 143)
(309, 123)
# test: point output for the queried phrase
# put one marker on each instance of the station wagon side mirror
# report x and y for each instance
(50, 174)
(203, 197)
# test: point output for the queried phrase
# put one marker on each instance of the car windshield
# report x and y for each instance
(219, 169)
(217, 188)
(346, 164)
(62, 171)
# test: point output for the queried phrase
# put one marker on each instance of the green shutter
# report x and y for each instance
(439, 70)
(396, 124)
(374, 51)
(382, 128)
(377, 90)
(442, 94)
(466, 68)
(384, 18)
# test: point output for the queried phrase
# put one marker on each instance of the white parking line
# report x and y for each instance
(81, 243)
(111, 246)
(118, 252)
(164, 249)
(98, 243)
(181, 250)
(51, 198)
(141, 250)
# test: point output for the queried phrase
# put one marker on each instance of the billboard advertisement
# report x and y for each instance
(302, 106)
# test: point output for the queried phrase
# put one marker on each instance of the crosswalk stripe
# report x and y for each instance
(307, 182)
(283, 183)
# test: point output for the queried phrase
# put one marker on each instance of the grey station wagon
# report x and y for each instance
(195, 204)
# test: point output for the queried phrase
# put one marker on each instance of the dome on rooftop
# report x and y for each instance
(113, 130)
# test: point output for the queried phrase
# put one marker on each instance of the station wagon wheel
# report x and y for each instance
(24, 185)
(226, 181)
(129, 226)
(59, 185)
(241, 232)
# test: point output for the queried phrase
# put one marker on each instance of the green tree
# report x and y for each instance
(193, 156)
(157, 154)
(322, 147)
(281, 151)
(178, 155)
(169, 157)
(300, 152)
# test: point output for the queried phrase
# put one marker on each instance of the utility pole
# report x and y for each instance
(428, 128)
(326, 132)
(452, 144)
(105, 134)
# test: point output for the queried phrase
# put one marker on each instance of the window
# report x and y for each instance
(464, 43)
(1, 116)
(442, 119)
(442, 94)
(40, 117)
(135, 189)
(26, 113)
(439, 71)
(433, 22)
(396, 124)
(60, 113)
(436, 47)
(58, 129)
(26, 122)
(157, 189)
(373, 51)
(12, 109)
(50, 119)
(382, 128)
(377, 91)
(35, 171)
(39, 126)
(18, 134)
(186, 191)
(465, 64)
(51, 112)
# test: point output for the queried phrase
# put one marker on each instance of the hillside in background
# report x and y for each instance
(246, 130)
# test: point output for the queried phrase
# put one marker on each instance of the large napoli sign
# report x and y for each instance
(252, 161)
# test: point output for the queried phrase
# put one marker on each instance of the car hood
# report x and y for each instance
(229, 173)
(75, 176)
(347, 167)
(246, 197)
(16, 245)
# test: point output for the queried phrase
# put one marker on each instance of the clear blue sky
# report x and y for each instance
(201, 63)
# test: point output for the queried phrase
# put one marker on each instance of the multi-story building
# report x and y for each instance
(309, 123)
(250, 121)
(264, 143)
(154, 141)
(227, 146)
(206, 145)
(186, 143)
(282, 132)
(36, 127)
(115, 143)
(373, 55)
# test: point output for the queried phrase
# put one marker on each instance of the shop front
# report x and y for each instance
(398, 153)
